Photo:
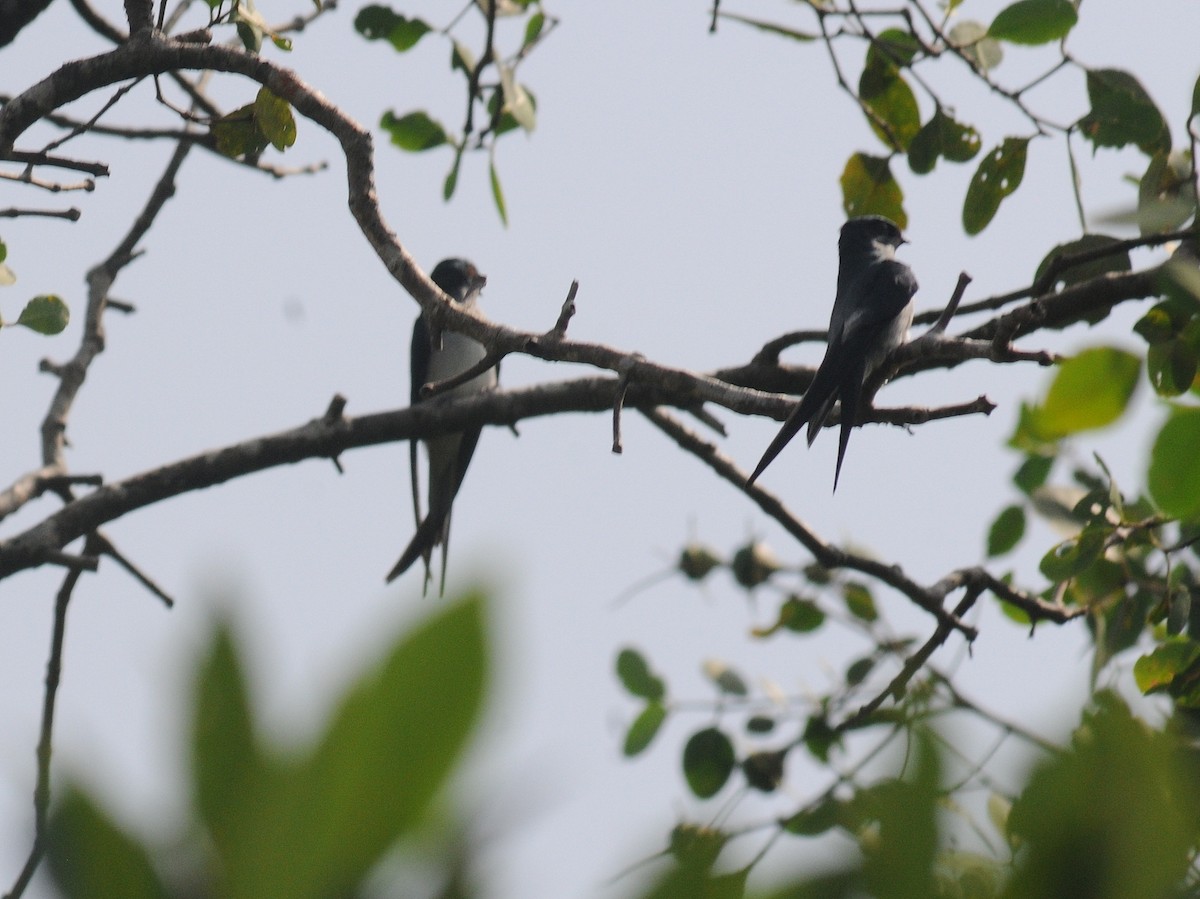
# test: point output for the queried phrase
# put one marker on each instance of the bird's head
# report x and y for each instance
(458, 278)
(866, 232)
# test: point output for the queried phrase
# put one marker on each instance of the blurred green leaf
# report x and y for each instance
(274, 117)
(859, 671)
(797, 614)
(764, 770)
(1071, 557)
(414, 132)
(516, 100)
(893, 112)
(816, 819)
(228, 770)
(644, 728)
(859, 602)
(45, 314)
(1156, 670)
(635, 675)
(1091, 390)
(1174, 476)
(725, 678)
(708, 760)
(999, 174)
(91, 858)
(900, 863)
(1086, 271)
(894, 47)
(1006, 531)
(1033, 473)
(497, 192)
(972, 39)
(1166, 193)
(381, 23)
(533, 28)
(387, 752)
(237, 133)
(942, 137)
(1034, 21)
(1122, 113)
(451, 181)
(1118, 794)
(1172, 366)
(868, 188)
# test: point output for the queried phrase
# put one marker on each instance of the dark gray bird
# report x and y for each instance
(449, 454)
(871, 316)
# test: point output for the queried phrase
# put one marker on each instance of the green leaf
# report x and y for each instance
(1091, 390)
(900, 864)
(942, 137)
(868, 188)
(1174, 476)
(1172, 366)
(797, 614)
(274, 117)
(859, 602)
(381, 23)
(636, 676)
(1122, 113)
(1006, 531)
(1034, 21)
(3, 251)
(1155, 671)
(760, 724)
(91, 858)
(819, 738)
(708, 760)
(414, 132)
(770, 28)
(890, 105)
(764, 770)
(237, 133)
(1195, 99)
(859, 671)
(998, 175)
(386, 754)
(516, 100)
(451, 181)
(644, 728)
(227, 766)
(46, 314)
(725, 679)
(533, 28)
(1033, 473)
(1121, 790)
(893, 47)
(497, 192)
(972, 40)
(1166, 193)
(1074, 556)
(1116, 261)
(816, 819)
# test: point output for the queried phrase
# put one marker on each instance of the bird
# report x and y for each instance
(448, 454)
(872, 312)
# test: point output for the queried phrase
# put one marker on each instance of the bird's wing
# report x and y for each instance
(887, 288)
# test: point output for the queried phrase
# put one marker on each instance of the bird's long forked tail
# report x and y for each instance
(428, 535)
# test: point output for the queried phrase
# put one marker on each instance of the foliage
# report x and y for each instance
(309, 823)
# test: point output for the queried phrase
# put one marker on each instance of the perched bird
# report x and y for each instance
(871, 316)
(448, 454)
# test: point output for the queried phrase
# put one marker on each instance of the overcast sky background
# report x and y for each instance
(689, 182)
